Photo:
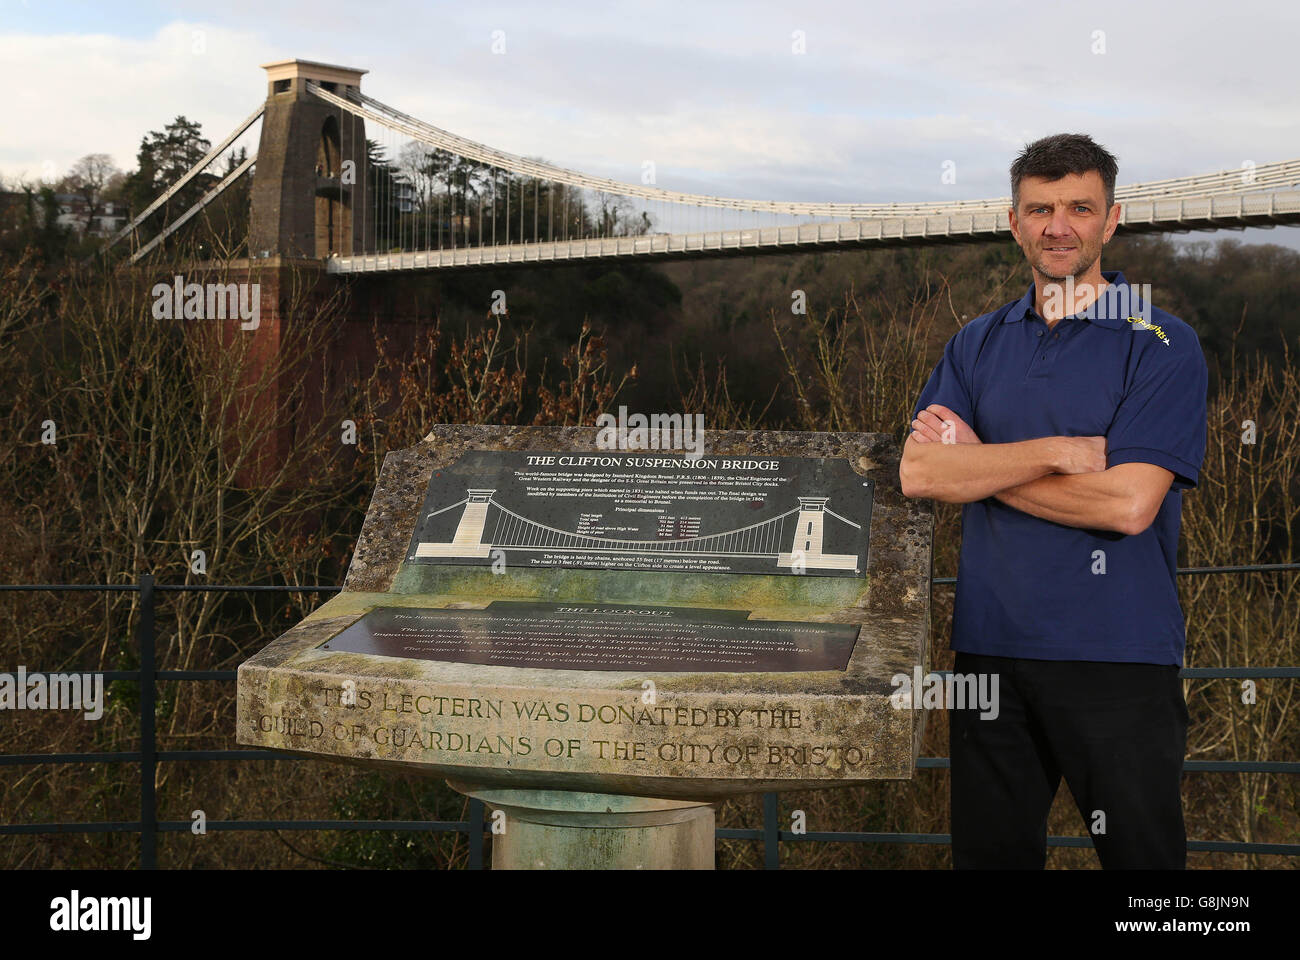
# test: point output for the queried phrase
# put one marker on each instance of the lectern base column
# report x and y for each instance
(567, 830)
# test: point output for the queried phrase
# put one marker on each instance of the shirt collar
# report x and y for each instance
(1111, 308)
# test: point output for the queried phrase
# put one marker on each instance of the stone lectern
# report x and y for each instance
(604, 643)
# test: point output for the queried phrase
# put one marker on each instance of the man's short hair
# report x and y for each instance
(1059, 155)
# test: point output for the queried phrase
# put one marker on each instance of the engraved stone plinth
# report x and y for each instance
(527, 612)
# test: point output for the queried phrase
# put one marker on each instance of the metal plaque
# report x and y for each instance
(650, 510)
(578, 636)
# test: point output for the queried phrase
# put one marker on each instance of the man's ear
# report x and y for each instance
(1112, 222)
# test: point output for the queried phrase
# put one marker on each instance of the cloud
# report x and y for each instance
(97, 93)
(713, 93)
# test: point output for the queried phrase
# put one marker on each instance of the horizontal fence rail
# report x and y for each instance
(771, 834)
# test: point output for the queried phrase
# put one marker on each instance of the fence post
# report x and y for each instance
(148, 745)
(475, 834)
(771, 833)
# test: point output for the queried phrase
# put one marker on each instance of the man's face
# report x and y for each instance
(1063, 224)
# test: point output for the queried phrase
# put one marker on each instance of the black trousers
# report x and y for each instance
(1116, 731)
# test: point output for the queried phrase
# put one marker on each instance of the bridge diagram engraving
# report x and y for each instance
(791, 540)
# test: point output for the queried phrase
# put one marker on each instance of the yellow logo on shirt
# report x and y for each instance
(1140, 324)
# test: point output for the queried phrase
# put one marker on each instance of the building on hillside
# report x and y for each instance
(75, 213)
(20, 210)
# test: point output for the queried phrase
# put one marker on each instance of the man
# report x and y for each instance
(1067, 423)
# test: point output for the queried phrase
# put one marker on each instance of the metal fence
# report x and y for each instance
(148, 826)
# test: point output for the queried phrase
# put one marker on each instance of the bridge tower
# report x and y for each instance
(304, 201)
(305, 204)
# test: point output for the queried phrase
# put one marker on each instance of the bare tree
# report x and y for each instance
(89, 179)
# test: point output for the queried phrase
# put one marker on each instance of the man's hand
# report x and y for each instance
(937, 424)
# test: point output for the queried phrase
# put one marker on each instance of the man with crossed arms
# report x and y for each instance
(1067, 423)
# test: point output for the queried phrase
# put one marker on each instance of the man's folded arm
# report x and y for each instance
(1124, 498)
(966, 472)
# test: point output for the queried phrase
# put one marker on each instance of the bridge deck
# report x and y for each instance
(1156, 215)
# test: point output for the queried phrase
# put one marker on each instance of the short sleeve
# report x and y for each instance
(948, 384)
(1162, 418)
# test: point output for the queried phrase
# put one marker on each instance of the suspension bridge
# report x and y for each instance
(364, 188)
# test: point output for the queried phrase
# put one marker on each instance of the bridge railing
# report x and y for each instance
(148, 756)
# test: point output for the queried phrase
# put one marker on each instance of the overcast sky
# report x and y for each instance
(713, 93)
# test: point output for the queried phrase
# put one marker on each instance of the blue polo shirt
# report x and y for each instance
(1028, 587)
